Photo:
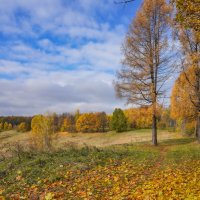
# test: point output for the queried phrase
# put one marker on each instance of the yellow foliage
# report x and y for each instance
(67, 124)
(21, 127)
(181, 105)
(141, 117)
(88, 122)
(42, 130)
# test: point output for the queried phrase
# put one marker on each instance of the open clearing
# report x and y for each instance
(124, 171)
(92, 139)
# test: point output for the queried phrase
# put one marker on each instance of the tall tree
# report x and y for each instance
(146, 63)
(188, 32)
(182, 109)
(190, 55)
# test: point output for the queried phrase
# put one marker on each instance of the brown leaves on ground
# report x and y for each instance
(122, 180)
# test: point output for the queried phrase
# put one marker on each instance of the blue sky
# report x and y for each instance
(60, 55)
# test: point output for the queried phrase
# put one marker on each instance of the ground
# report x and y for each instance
(122, 166)
(92, 139)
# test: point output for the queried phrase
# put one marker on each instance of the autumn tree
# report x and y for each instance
(5, 126)
(87, 123)
(1, 126)
(103, 121)
(68, 124)
(188, 33)
(139, 117)
(146, 63)
(187, 13)
(42, 131)
(182, 109)
(55, 119)
(10, 126)
(22, 127)
(77, 114)
(119, 121)
(166, 121)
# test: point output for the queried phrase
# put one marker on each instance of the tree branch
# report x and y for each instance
(123, 1)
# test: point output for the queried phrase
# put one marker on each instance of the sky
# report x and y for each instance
(61, 55)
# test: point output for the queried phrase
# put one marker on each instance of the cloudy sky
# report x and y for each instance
(60, 55)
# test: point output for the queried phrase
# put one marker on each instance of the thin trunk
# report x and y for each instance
(198, 105)
(198, 128)
(183, 126)
(154, 126)
(154, 131)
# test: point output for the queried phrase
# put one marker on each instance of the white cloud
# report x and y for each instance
(60, 91)
(55, 75)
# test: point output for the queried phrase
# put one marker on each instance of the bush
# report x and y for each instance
(22, 127)
(119, 121)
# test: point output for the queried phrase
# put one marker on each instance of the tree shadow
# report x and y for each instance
(178, 141)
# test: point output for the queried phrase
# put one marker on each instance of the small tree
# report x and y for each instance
(10, 126)
(5, 126)
(22, 127)
(103, 121)
(77, 114)
(42, 131)
(119, 121)
(68, 124)
(1, 126)
(182, 109)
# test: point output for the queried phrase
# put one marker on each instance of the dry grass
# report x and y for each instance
(90, 139)
(112, 138)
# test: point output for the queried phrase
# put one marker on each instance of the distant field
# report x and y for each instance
(112, 138)
(92, 139)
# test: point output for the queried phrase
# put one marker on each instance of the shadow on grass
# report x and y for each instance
(178, 141)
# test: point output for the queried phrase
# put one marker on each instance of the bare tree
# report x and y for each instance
(146, 63)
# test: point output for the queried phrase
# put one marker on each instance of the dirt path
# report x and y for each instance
(149, 173)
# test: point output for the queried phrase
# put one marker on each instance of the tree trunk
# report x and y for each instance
(195, 130)
(198, 127)
(183, 127)
(154, 130)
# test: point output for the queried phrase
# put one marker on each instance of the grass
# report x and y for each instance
(92, 139)
(53, 166)
(115, 169)
(112, 138)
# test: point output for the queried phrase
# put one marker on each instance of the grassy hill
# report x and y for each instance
(117, 168)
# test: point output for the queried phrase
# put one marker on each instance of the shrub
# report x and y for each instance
(22, 127)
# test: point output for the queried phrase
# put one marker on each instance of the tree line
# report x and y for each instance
(120, 120)
(19, 123)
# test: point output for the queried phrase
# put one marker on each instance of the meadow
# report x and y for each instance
(103, 166)
(62, 139)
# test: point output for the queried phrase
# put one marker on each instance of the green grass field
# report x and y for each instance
(104, 166)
